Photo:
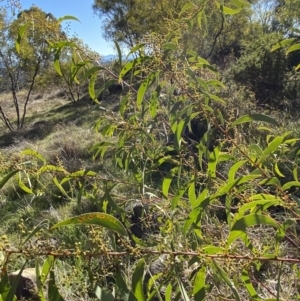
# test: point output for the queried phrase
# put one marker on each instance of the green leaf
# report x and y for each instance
(170, 46)
(186, 7)
(199, 284)
(67, 18)
(49, 168)
(192, 193)
(53, 293)
(254, 117)
(273, 145)
(23, 186)
(290, 184)
(101, 294)
(212, 250)
(241, 3)
(41, 225)
(137, 281)
(168, 293)
(61, 189)
(38, 282)
(216, 98)
(131, 65)
(277, 170)
(122, 286)
(167, 181)
(251, 290)
(227, 10)
(222, 274)
(119, 53)
(260, 205)
(91, 71)
(239, 228)
(231, 184)
(56, 61)
(19, 38)
(283, 43)
(91, 88)
(11, 294)
(270, 181)
(34, 154)
(213, 161)
(293, 48)
(48, 264)
(142, 89)
(234, 168)
(5, 286)
(5, 179)
(154, 102)
(135, 49)
(80, 173)
(95, 218)
(183, 291)
(295, 174)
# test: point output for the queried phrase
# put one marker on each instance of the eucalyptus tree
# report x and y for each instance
(21, 65)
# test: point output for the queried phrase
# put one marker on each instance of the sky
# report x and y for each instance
(90, 27)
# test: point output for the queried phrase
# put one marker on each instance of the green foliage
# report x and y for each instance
(210, 224)
(266, 74)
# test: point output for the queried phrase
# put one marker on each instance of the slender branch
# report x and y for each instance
(36, 71)
(216, 37)
(68, 253)
(5, 119)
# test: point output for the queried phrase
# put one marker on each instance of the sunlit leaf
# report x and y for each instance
(65, 18)
(234, 168)
(11, 293)
(40, 226)
(34, 154)
(167, 181)
(277, 170)
(186, 7)
(213, 161)
(170, 46)
(23, 186)
(137, 281)
(239, 228)
(53, 293)
(95, 218)
(101, 294)
(6, 178)
(254, 117)
(131, 65)
(273, 145)
(290, 184)
(283, 43)
(222, 274)
(227, 10)
(293, 48)
(250, 289)
(136, 48)
(143, 88)
(20, 35)
(61, 189)
(199, 285)
(241, 3)
(168, 293)
(91, 71)
(183, 291)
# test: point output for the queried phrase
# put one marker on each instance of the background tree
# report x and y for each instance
(128, 21)
(19, 69)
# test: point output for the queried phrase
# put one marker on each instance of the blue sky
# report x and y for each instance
(90, 28)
